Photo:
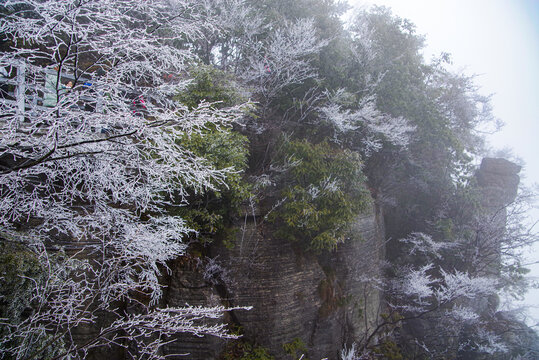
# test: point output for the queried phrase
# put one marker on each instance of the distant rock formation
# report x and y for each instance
(499, 181)
(498, 185)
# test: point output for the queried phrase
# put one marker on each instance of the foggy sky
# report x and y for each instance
(497, 40)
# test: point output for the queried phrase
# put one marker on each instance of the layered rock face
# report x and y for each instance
(321, 300)
(325, 301)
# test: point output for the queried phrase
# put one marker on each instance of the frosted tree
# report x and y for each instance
(421, 243)
(365, 119)
(429, 293)
(240, 28)
(90, 161)
(447, 301)
(469, 114)
(282, 59)
(267, 56)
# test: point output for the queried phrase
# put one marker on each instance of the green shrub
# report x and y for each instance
(243, 350)
(212, 212)
(18, 266)
(211, 85)
(296, 348)
(389, 350)
(324, 190)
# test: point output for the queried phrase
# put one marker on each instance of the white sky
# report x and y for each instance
(498, 40)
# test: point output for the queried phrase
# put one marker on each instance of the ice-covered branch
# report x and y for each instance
(91, 156)
(364, 117)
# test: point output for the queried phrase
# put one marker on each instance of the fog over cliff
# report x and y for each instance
(237, 179)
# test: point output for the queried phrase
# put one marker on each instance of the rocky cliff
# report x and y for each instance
(318, 302)
(314, 303)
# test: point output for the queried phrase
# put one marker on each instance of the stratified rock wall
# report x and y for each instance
(186, 286)
(319, 299)
(356, 267)
(280, 282)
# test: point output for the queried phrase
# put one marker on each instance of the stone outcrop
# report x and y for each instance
(497, 184)
(318, 299)
(321, 300)
(498, 179)
(186, 286)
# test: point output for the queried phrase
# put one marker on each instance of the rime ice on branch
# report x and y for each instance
(83, 167)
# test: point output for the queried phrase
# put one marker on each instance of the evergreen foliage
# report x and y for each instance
(211, 213)
(324, 190)
(210, 85)
(295, 348)
(371, 124)
(243, 350)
